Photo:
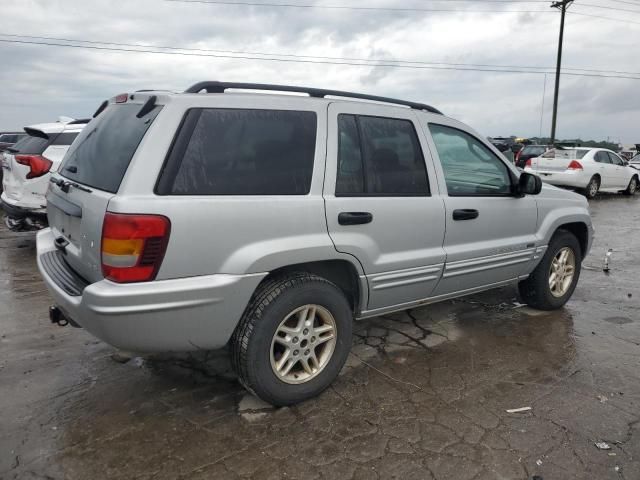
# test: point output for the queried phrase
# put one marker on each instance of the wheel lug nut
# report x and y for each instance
(305, 331)
(313, 339)
(306, 352)
(296, 352)
(295, 339)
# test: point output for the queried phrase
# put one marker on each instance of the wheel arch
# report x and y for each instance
(342, 273)
(580, 231)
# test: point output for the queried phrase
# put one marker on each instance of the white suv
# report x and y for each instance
(27, 167)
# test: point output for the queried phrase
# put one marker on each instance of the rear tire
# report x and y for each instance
(548, 287)
(592, 187)
(278, 328)
(632, 188)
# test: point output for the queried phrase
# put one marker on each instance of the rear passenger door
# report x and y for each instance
(621, 178)
(606, 169)
(382, 201)
(490, 233)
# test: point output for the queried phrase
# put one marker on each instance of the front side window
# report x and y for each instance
(246, 152)
(470, 168)
(380, 157)
(616, 160)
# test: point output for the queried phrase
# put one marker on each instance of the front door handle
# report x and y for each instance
(465, 214)
(354, 218)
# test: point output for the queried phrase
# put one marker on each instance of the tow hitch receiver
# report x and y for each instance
(56, 316)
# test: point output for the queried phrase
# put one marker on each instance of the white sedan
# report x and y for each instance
(586, 169)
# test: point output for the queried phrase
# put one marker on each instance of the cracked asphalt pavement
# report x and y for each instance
(424, 394)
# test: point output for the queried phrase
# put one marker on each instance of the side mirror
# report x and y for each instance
(529, 184)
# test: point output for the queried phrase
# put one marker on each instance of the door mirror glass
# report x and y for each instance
(529, 184)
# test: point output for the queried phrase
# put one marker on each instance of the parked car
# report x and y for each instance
(9, 139)
(589, 170)
(27, 167)
(270, 222)
(527, 152)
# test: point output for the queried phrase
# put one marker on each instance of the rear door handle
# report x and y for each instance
(354, 218)
(465, 214)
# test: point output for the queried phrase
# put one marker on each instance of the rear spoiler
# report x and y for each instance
(34, 132)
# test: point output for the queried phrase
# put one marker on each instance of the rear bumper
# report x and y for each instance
(15, 210)
(165, 315)
(573, 179)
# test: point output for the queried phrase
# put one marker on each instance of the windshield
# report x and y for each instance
(101, 154)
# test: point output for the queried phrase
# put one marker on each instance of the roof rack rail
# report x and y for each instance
(220, 87)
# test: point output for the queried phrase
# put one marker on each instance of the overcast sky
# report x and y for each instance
(40, 83)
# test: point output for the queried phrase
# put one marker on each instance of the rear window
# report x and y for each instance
(533, 150)
(242, 152)
(568, 153)
(101, 153)
(31, 145)
(65, 138)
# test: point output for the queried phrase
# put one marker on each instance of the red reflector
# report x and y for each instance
(574, 165)
(38, 165)
(528, 164)
(133, 246)
(122, 98)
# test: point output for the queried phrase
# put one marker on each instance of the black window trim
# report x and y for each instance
(512, 176)
(175, 154)
(357, 117)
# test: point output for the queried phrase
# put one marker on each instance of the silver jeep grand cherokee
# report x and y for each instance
(269, 222)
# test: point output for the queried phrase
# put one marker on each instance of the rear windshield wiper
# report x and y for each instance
(65, 184)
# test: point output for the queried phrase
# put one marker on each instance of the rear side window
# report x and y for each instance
(602, 157)
(242, 152)
(31, 145)
(100, 155)
(533, 150)
(65, 138)
(379, 156)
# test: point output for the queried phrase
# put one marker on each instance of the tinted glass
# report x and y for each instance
(65, 138)
(31, 145)
(350, 178)
(248, 152)
(615, 159)
(470, 168)
(602, 157)
(103, 150)
(390, 152)
(533, 151)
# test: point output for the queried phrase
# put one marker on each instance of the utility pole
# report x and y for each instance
(562, 5)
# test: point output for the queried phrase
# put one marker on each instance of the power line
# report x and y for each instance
(605, 7)
(346, 7)
(304, 61)
(572, 12)
(352, 59)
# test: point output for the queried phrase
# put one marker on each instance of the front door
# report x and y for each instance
(382, 201)
(490, 233)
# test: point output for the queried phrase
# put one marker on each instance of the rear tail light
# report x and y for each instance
(528, 164)
(574, 165)
(133, 246)
(38, 165)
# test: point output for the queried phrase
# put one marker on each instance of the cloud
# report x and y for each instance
(42, 82)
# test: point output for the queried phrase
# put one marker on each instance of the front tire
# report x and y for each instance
(555, 278)
(592, 187)
(293, 338)
(632, 188)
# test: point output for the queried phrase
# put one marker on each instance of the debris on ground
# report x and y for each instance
(602, 398)
(121, 356)
(539, 462)
(519, 410)
(603, 446)
(607, 259)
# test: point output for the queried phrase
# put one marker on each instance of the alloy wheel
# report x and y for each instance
(303, 344)
(562, 271)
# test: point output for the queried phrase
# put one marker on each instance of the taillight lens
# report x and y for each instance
(38, 165)
(122, 98)
(133, 246)
(528, 164)
(574, 165)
